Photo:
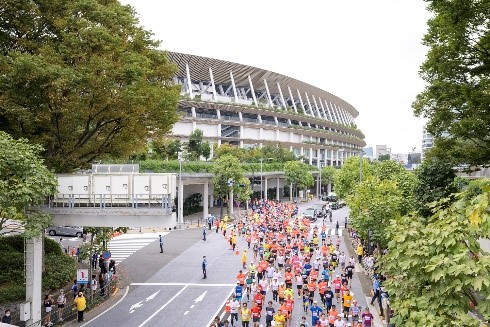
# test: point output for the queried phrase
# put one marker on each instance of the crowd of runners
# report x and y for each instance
(289, 262)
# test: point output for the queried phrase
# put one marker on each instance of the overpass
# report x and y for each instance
(118, 195)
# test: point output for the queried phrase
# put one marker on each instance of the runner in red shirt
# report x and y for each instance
(256, 313)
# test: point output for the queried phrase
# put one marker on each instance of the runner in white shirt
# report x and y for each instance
(270, 273)
(339, 322)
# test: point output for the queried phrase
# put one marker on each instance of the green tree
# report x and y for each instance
(457, 70)
(384, 157)
(166, 149)
(24, 182)
(227, 174)
(434, 181)
(404, 180)
(194, 147)
(298, 174)
(227, 149)
(328, 176)
(82, 79)
(372, 205)
(206, 150)
(348, 176)
(438, 272)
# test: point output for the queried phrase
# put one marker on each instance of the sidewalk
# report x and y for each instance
(365, 283)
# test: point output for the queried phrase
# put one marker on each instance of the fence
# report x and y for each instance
(69, 312)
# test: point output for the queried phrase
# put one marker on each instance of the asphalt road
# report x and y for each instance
(168, 290)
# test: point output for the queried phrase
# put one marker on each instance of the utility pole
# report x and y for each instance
(180, 204)
(261, 190)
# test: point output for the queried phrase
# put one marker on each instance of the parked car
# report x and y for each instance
(331, 197)
(65, 230)
(310, 213)
(321, 210)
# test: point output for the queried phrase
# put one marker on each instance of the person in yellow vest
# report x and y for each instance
(81, 304)
(360, 252)
(233, 242)
(244, 259)
(245, 314)
(223, 228)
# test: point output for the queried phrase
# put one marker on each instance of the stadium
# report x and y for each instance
(249, 107)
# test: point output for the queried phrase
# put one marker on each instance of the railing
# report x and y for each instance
(209, 116)
(69, 313)
(157, 201)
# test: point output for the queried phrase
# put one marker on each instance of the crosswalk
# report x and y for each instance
(123, 246)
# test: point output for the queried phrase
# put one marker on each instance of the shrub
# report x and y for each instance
(59, 268)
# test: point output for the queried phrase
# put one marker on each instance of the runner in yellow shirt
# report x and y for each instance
(280, 319)
(245, 314)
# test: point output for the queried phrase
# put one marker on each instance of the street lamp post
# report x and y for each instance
(180, 211)
(320, 188)
(361, 152)
(261, 190)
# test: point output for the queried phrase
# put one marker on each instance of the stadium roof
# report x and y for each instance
(199, 71)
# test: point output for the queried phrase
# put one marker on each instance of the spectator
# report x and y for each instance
(48, 306)
(6, 318)
(80, 304)
(61, 301)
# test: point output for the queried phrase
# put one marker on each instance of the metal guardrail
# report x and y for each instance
(102, 201)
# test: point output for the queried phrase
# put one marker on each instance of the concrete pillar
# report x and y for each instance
(211, 200)
(180, 204)
(311, 157)
(331, 157)
(230, 202)
(205, 200)
(278, 197)
(337, 158)
(265, 188)
(34, 258)
(329, 188)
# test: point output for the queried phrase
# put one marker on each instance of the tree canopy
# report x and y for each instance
(82, 79)
(227, 176)
(437, 270)
(348, 176)
(435, 180)
(457, 73)
(298, 174)
(24, 182)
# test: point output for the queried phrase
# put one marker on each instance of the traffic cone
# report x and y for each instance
(227, 306)
(237, 251)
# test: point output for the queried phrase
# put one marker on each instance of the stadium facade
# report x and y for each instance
(250, 107)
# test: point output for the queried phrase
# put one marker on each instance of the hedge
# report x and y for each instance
(60, 269)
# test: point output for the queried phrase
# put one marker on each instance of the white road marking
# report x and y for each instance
(192, 306)
(135, 306)
(200, 297)
(125, 245)
(151, 297)
(186, 313)
(120, 300)
(182, 284)
(162, 307)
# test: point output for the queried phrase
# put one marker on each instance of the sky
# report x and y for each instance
(365, 52)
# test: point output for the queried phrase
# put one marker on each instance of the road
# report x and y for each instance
(171, 291)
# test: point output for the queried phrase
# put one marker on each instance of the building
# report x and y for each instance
(250, 107)
(427, 142)
(382, 150)
(368, 152)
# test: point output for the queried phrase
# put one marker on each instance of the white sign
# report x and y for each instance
(82, 276)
